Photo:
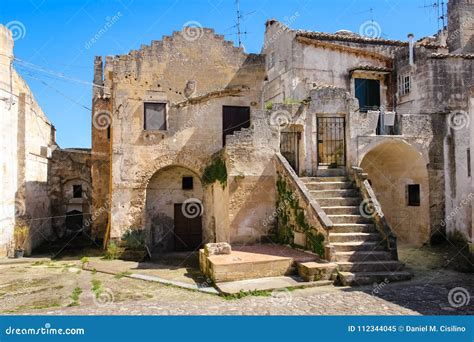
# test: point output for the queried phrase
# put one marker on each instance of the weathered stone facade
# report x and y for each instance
(194, 79)
(26, 140)
(426, 145)
(411, 141)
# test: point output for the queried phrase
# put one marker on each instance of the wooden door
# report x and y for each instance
(187, 230)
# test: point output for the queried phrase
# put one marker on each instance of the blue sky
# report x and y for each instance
(56, 33)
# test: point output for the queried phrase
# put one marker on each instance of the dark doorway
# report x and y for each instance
(74, 220)
(289, 148)
(368, 94)
(234, 118)
(331, 142)
(187, 228)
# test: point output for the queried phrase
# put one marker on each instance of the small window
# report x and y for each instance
(155, 116)
(188, 183)
(413, 194)
(404, 84)
(469, 162)
(77, 191)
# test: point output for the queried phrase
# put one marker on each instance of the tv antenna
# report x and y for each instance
(238, 23)
(439, 6)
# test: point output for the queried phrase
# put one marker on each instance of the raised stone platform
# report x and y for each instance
(251, 262)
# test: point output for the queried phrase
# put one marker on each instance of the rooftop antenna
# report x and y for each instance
(240, 17)
(439, 6)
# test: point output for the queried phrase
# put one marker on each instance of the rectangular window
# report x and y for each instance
(368, 93)
(77, 191)
(413, 194)
(234, 118)
(404, 84)
(155, 116)
(469, 162)
(188, 183)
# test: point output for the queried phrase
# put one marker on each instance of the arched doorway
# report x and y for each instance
(74, 220)
(399, 177)
(174, 210)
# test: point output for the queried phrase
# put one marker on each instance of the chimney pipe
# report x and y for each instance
(411, 45)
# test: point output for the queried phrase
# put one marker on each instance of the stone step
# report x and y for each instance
(366, 278)
(314, 271)
(335, 193)
(370, 266)
(349, 219)
(324, 179)
(348, 237)
(342, 210)
(339, 201)
(329, 185)
(353, 228)
(330, 172)
(359, 256)
(358, 246)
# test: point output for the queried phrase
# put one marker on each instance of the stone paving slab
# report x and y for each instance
(24, 260)
(265, 284)
(120, 269)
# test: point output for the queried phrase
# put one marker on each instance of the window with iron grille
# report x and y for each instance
(404, 84)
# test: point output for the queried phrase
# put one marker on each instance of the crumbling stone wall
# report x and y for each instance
(69, 167)
(26, 141)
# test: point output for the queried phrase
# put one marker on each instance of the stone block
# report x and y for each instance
(313, 271)
(219, 248)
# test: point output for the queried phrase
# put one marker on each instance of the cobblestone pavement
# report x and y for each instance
(62, 288)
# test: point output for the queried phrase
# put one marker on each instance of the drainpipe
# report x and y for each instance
(411, 45)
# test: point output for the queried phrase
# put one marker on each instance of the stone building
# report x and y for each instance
(349, 123)
(399, 110)
(26, 141)
(37, 178)
(161, 116)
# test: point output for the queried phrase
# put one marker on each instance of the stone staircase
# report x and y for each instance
(355, 244)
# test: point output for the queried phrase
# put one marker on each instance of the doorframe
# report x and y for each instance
(344, 138)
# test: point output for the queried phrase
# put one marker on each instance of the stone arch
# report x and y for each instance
(165, 193)
(374, 143)
(391, 166)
